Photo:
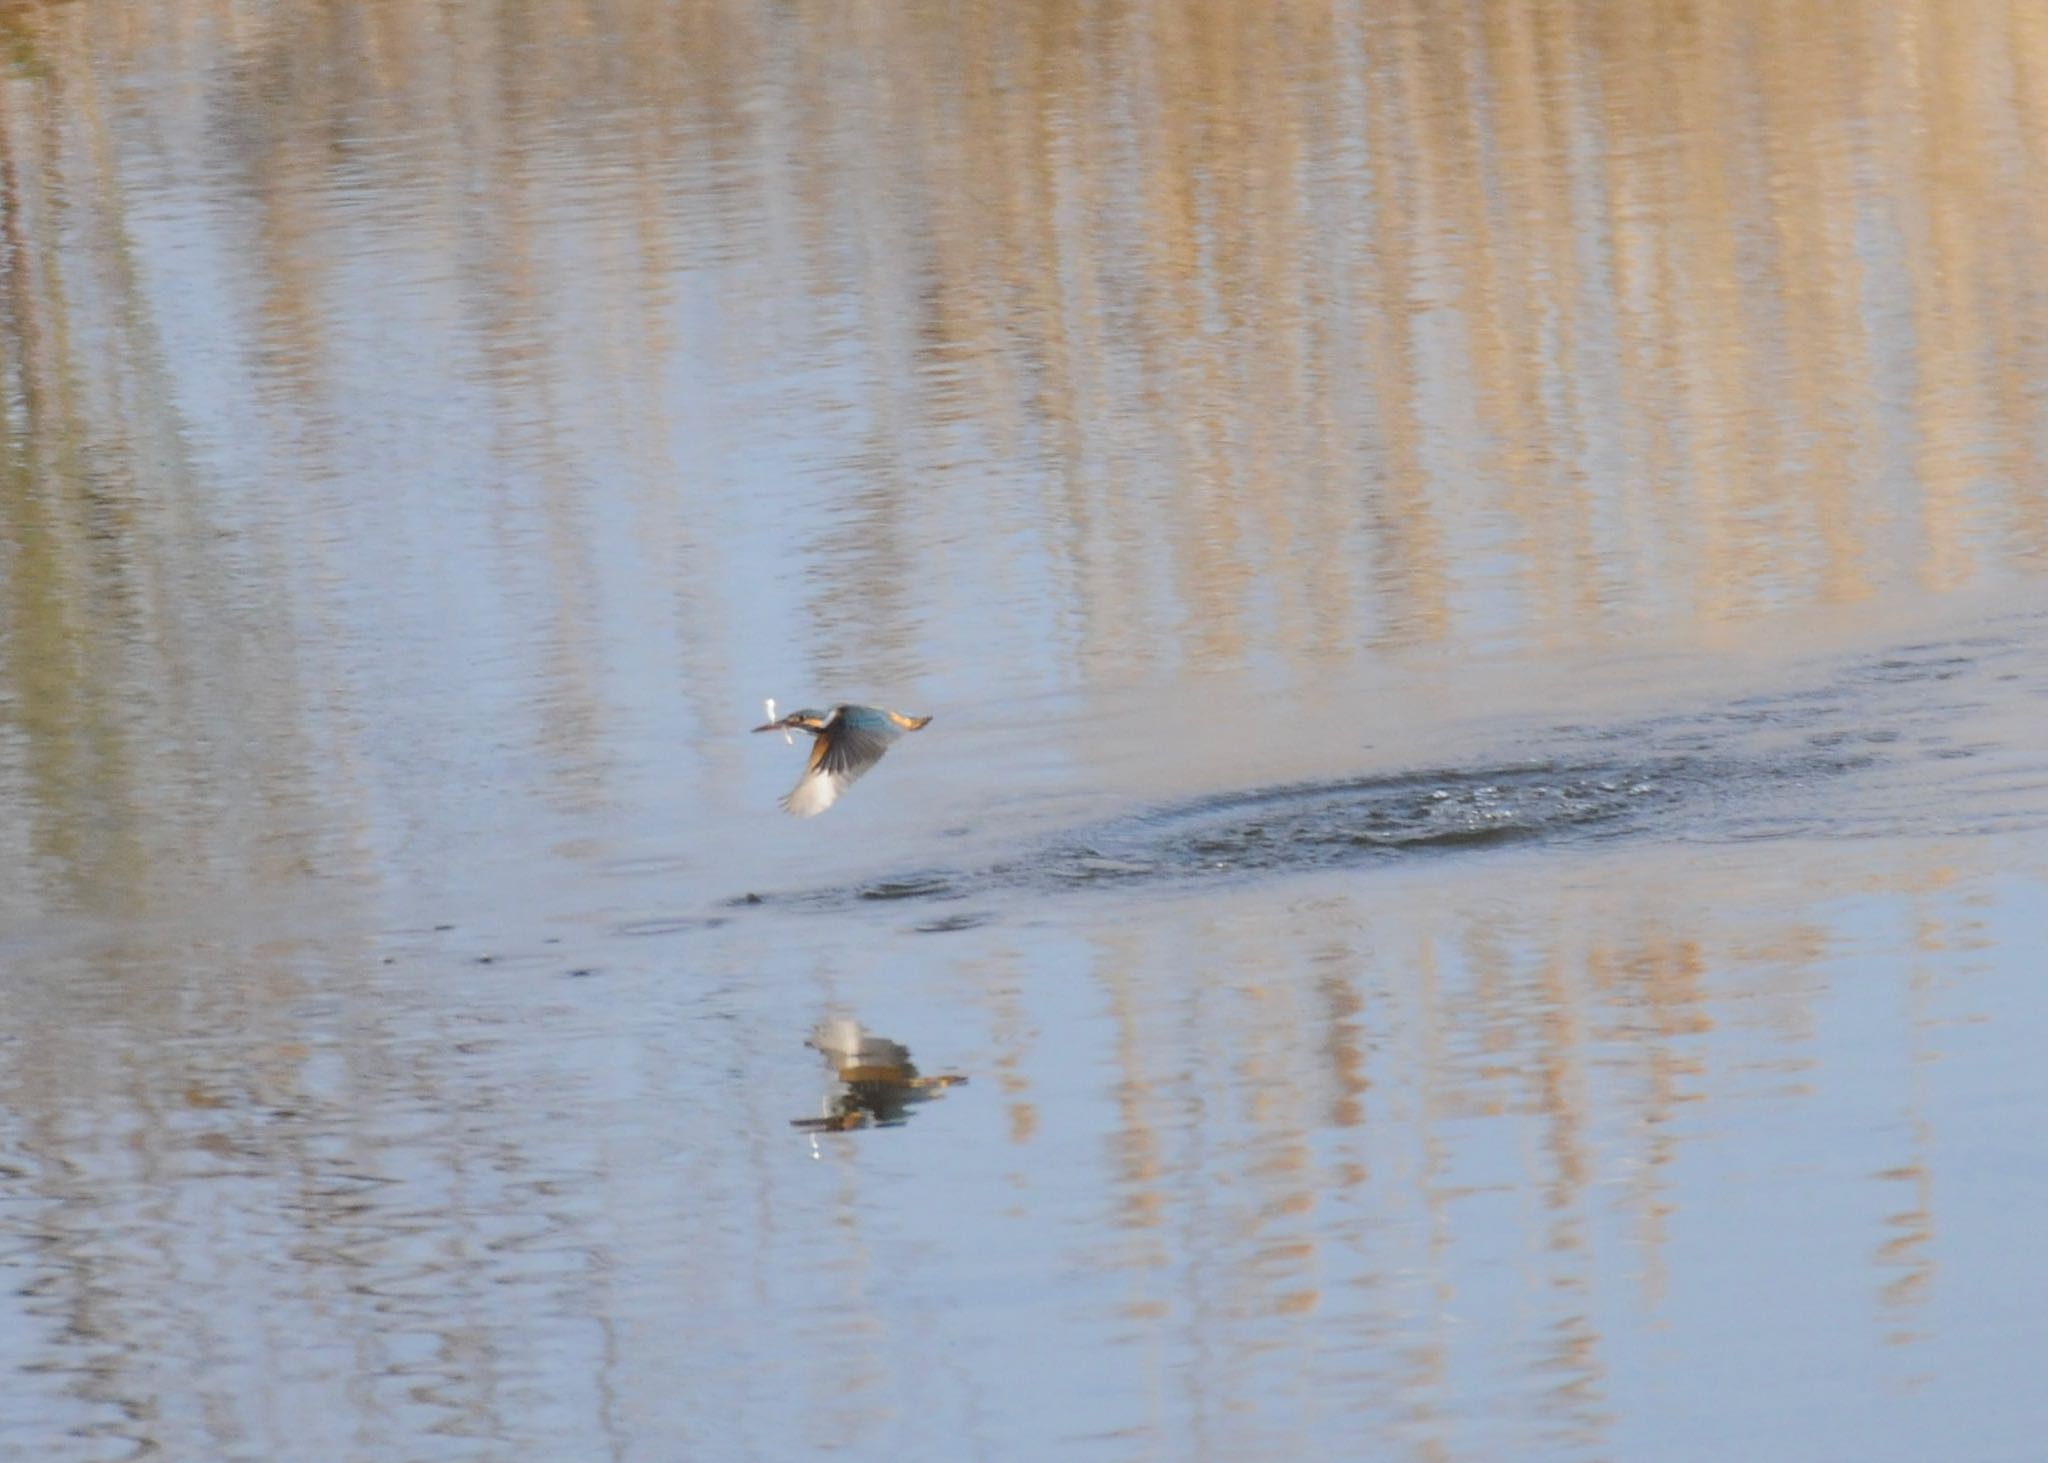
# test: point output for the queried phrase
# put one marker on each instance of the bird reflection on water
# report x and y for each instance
(876, 1082)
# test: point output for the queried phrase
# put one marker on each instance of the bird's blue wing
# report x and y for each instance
(855, 744)
(848, 747)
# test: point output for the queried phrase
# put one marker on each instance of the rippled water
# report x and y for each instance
(1868, 746)
(1474, 887)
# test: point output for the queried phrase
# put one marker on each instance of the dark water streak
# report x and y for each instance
(1771, 765)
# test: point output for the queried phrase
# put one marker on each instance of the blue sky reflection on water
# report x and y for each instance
(1478, 577)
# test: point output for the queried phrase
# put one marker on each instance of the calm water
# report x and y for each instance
(1483, 850)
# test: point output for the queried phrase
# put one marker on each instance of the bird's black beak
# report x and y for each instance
(775, 725)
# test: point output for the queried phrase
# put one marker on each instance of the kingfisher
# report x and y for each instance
(846, 742)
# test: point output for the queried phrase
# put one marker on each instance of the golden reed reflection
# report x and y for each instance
(1272, 329)
(1692, 303)
(1530, 1081)
(1084, 341)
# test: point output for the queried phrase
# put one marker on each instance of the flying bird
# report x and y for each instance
(846, 742)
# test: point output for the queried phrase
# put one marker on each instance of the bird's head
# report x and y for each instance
(805, 720)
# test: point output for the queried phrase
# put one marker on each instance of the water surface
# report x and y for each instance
(1481, 851)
